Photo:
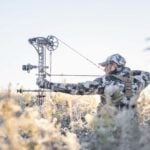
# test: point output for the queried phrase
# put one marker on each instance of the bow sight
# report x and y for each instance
(28, 67)
(41, 45)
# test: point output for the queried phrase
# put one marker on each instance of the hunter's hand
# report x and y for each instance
(42, 83)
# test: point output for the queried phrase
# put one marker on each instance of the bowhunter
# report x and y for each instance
(119, 83)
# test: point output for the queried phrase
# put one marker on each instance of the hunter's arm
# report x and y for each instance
(88, 87)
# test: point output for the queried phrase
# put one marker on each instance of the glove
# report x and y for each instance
(42, 83)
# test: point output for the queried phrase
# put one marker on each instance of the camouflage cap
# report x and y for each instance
(116, 58)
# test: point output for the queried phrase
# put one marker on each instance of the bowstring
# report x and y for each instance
(81, 55)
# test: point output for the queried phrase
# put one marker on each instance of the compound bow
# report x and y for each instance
(42, 45)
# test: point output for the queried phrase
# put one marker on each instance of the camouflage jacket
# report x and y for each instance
(107, 85)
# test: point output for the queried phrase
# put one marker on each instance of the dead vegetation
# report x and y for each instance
(71, 123)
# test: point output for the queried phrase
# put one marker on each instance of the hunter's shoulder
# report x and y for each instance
(141, 76)
(140, 72)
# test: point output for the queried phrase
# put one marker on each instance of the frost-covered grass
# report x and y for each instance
(72, 123)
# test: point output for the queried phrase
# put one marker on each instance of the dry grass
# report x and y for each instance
(143, 104)
(70, 123)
